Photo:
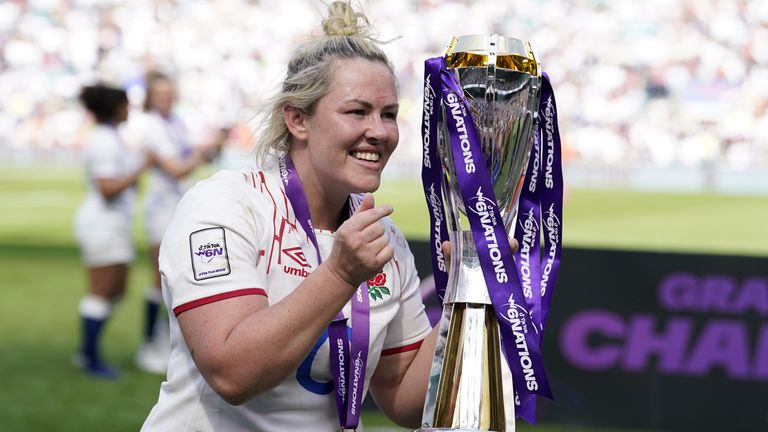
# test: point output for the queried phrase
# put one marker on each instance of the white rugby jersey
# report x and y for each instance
(167, 138)
(236, 234)
(107, 157)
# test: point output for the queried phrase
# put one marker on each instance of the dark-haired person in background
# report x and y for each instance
(103, 222)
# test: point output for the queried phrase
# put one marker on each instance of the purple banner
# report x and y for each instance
(674, 339)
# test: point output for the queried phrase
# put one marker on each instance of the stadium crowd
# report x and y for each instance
(655, 82)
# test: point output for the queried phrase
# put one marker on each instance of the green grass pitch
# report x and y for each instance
(42, 282)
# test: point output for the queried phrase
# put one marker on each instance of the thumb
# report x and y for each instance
(365, 204)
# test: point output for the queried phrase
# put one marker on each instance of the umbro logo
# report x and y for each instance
(296, 254)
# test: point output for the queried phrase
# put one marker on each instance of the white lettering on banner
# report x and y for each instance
(530, 231)
(553, 224)
(458, 113)
(434, 201)
(519, 329)
(549, 110)
(535, 172)
(523, 354)
(342, 373)
(429, 107)
(483, 208)
(355, 381)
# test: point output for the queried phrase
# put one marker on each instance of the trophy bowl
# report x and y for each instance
(501, 79)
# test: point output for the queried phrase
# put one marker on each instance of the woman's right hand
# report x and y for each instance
(361, 246)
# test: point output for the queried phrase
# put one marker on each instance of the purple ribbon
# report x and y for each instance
(540, 210)
(348, 361)
(431, 175)
(528, 234)
(519, 296)
(551, 196)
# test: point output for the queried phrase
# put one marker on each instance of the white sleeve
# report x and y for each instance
(211, 251)
(410, 325)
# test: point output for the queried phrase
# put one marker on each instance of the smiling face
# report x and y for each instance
(343, 146)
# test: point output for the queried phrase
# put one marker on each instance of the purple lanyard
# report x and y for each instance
(347, 362)
(519, 330)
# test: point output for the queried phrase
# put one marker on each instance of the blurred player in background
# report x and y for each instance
(103, 226)
(167, 137)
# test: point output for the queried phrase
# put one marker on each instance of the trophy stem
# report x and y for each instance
(470, 393)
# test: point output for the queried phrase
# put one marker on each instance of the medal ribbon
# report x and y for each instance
(348, 359)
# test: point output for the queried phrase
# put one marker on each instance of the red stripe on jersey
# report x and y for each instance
(262, 180)
(218, 297)
(401, 349)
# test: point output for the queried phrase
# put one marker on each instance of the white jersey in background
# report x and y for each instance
(103, 229)
(167, 138)
(236, 234)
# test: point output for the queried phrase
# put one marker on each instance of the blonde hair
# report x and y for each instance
(347, 35)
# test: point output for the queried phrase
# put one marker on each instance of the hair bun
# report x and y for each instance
(343, 20)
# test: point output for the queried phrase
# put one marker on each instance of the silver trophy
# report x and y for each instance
(470, 386)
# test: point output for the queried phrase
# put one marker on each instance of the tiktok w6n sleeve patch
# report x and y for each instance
(208, 249)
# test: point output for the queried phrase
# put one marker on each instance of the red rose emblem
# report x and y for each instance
(378, 280)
